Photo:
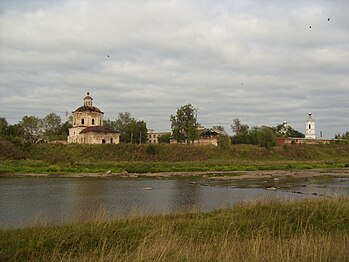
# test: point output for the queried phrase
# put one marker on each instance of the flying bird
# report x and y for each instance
(309, 26)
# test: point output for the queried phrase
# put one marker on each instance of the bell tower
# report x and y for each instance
(310, 128)
(88, 100)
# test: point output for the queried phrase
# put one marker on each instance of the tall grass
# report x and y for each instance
(262, 231)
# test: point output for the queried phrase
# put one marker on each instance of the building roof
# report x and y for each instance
(208, 132)
(98, 129)
(88, 109)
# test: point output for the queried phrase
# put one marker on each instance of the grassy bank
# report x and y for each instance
(265, 231)
(49, 158)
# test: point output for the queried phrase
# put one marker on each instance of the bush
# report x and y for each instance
(224, 141)
(151, 150)
(10, 151)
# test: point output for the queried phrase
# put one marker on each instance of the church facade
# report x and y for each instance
(88, 126)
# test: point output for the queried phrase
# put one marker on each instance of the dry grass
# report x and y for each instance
(264, 231)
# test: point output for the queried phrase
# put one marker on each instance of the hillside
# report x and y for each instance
(53, 158)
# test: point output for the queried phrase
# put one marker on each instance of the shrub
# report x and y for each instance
(10, 151)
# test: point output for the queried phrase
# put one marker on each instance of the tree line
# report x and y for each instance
(32, 129)
(184, 129)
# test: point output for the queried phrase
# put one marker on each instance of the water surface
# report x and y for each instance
(64, 200)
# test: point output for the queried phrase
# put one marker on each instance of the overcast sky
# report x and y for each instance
(258, 61)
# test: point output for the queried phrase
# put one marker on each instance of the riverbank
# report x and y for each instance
(259, 231)
(135, 160)
(210, 175)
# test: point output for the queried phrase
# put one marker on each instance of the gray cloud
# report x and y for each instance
(255, 60)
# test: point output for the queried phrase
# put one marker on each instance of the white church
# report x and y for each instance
(310, 135)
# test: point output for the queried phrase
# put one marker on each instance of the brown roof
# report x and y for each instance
(98, 129)
(88, 109)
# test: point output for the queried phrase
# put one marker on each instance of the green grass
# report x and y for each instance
(50, 158)
(311, 230)
(41, 167)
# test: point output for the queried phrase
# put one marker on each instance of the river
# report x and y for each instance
(30, 200)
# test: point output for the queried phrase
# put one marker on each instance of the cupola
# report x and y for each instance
(88, 100)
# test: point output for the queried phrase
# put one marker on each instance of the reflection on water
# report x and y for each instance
(60, 200)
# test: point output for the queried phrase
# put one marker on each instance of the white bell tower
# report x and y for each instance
(310, 128)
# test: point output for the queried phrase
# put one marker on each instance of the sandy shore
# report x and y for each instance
(214, 175)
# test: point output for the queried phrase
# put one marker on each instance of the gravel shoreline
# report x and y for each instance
(214, 175)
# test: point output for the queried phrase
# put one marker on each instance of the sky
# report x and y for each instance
(263, 62)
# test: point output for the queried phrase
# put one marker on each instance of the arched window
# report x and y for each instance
(82, 121)
(103, 141)
(111, 140)
(309, 126)
(93, 121)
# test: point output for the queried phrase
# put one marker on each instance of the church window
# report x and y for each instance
(111, 140)
(93, 121)
(82, 121)
(103, 141)
(309, 126)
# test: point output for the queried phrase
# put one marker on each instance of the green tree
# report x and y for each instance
(184, 124)
(241, 132)
(165, 138)
(131, 130)
(342, 138)
(282, 130)
(141, 133)
(265, 136)
(15, 131)
(64, 130)
(110, 123)
(32, 127)
(52, 126)
(3, 128)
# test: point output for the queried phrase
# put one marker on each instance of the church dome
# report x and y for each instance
(88, 109)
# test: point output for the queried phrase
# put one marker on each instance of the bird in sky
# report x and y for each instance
(309, 26)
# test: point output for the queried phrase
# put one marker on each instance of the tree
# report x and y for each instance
(32, 127)
(165, 138)
(3, 127)
(241, 132)
(15, 131)
(64, 130)
(283, 130)
(110, 123)
(131, 130)
(342, 138)
(184, 124)
(52, 126)
(265, 137)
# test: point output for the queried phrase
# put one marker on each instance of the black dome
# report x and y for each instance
(88, 109)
